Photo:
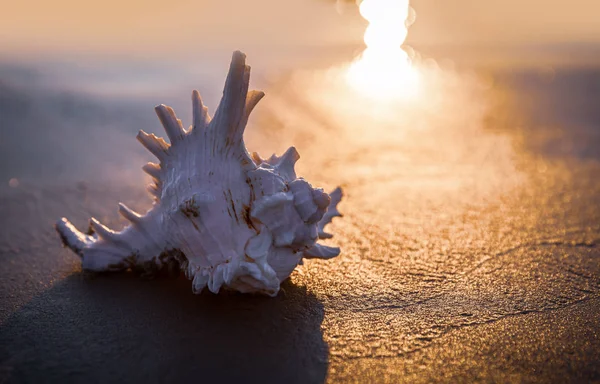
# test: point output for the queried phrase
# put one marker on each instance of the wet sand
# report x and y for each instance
(470, 253)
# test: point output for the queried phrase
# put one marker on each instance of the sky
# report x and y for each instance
(506, 21)
(177, 29)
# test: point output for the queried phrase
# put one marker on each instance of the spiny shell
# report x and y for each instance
(230, 219)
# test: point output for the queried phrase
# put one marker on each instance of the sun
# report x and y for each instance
(384, 70)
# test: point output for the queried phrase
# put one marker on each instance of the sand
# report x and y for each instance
(470, 246)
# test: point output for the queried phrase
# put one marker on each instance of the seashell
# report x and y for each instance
(229, 218)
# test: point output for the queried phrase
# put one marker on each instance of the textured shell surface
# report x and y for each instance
(231, 219)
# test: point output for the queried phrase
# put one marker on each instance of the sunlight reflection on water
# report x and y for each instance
(434, 140)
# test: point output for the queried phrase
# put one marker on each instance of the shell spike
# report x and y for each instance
(230, 113)
(170, 122)
(336, 196)
(251, 100)
(156, 145)
(72, 237)
(129, 214)
(154, 190)
(319, 251)
(287, 161)
(152, 169)
(290, 157)
(332, 211)
(103, 232)
(256, 158)
(201, 119)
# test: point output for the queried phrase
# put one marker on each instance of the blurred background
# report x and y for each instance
(78, 79)
(185, 30)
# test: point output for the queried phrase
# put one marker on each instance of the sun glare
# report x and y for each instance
(384, 70)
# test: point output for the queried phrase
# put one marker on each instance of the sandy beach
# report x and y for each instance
(469, 240)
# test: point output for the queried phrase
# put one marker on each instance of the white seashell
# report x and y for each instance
(229, 219)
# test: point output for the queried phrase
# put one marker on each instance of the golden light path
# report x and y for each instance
(383, 70)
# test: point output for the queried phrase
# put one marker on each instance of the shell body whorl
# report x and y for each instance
(230, 219)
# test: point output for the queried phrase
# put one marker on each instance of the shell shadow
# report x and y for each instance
(119, 329)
